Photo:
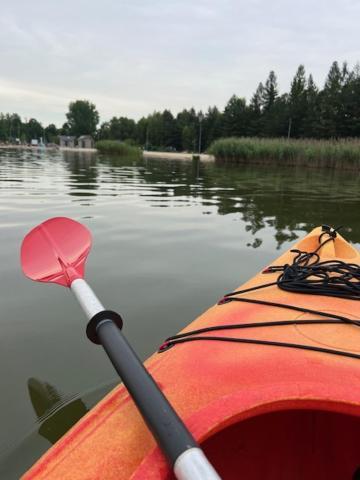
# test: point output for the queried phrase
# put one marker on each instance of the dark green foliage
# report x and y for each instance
(34, 129)
(161, 132)
(10, 127)
(270, 91)
(155, 130)
(311, 119)
(211, 127)
(169, 130)
(188, 138)
(187, 127)
(51, 133)
(276, 119)
(82, 118)
(297, 103)
(235, 117)
(65, 129)
(142, 132)
(350, 125)
(255, 111)
(120, 129)
(331, 109)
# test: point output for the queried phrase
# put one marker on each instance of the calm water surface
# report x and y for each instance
(170, 238)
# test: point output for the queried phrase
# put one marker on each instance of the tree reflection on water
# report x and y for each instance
(290, 201)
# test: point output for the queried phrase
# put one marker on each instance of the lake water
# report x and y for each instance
(170, 238)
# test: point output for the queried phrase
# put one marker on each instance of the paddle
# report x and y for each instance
(55, 252)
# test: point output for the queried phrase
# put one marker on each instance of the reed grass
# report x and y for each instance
(116, 147)
(280, 151)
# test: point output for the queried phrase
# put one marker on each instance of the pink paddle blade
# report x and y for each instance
(55, 251)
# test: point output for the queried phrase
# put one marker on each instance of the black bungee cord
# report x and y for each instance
(306, 275)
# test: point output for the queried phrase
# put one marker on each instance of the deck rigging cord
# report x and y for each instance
(306, 275)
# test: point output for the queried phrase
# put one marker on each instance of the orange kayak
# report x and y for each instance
(274, 394)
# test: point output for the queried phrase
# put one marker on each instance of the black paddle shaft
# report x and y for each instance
(162, 420)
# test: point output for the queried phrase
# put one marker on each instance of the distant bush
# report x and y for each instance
(131, 142)
(281, 151)
(120, 148)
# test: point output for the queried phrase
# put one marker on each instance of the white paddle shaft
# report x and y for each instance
(86, 297)
(192, 464)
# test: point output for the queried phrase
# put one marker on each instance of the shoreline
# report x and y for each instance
(204, 157)
(52, 149)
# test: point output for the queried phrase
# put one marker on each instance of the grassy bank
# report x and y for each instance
(119, 148)
(280, 151)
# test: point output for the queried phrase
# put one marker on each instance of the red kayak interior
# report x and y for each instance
(288, 445)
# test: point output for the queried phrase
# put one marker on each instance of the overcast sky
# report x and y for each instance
(136, 56)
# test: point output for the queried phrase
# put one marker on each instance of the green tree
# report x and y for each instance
(187, 123)
(155, 130)
(235, 117)
(188, 138)
(350, 126)
(51, 133)
(104, 131)
(14, 127)
(122, 128)
(211, 127)
(34, 129)
(3, 128)
(142, 132)
(276, 120)
(82, 118)
(256, 107)
(312, 115)
(270, 91)
(331, 108)
(170, 138)
(65, 129)
(9, 126)
(298, 102)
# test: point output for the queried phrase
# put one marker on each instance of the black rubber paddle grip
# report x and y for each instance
(165, 424)
(91, 329)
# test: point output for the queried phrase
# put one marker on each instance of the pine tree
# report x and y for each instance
(350, 102)
(273, 107)
(312, 116)
(256, 107)
(270, 91)
(331, 113)
(297, 102)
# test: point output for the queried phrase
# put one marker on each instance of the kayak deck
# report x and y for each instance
(259, 411)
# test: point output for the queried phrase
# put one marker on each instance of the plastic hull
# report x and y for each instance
(260, 412)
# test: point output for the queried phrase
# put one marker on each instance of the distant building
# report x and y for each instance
(85, 141)
(34, 142)
(66, 141)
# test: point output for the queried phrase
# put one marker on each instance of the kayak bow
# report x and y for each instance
(260, 407)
